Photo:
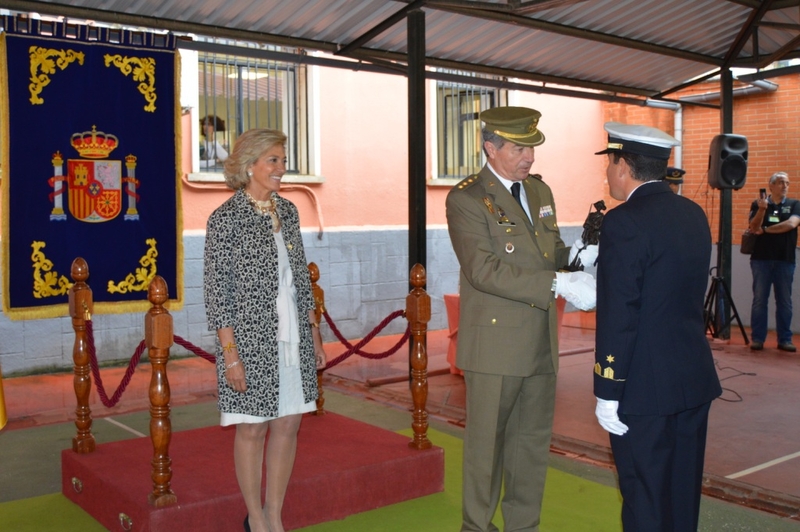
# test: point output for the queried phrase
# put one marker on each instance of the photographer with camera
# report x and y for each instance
(775, 219)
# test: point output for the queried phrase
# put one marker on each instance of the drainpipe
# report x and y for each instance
(678, 125)
(758, 86)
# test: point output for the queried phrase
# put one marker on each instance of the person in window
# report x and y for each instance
(258, 298)
(212, 153)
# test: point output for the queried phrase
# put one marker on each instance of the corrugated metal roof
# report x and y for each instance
(638, 47)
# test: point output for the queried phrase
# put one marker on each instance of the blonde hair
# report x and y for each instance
(248, 148)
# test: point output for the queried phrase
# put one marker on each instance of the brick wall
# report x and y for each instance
(768, 120)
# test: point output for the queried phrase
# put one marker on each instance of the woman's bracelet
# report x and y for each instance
(230, 346)
(232, 364)
(314, 324)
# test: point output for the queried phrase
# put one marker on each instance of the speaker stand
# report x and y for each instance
(711, 309)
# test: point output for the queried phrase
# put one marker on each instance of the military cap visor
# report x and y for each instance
(519, 125)
(674, 175)
(641, 140)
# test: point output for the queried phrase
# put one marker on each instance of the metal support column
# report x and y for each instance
(723, 315)
(417, 251)
(417, 154)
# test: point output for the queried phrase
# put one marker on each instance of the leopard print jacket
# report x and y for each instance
(240, 286)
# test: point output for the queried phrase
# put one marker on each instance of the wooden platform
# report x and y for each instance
(343, 467)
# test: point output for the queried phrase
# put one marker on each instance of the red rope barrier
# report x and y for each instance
(194, 349)
(137, 355)
(101, 391)
(351, 349)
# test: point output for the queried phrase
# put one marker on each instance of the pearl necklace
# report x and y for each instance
(266, 208)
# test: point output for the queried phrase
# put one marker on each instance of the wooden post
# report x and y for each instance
(418, 314)
(80, 309)
(319, 301)
(158, 338)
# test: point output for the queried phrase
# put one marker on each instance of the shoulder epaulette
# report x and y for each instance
(467, 182)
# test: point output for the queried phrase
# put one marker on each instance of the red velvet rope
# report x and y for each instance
(137, 355)
(357, 348)
(194, 349)
(101, 391)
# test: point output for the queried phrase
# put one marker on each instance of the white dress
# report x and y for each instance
(290, 396)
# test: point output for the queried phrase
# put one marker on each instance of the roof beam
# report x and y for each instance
(777, 4)
(682, 86)
(746, 31)
(380, 27)
(124, 19)
(527, 22)
(367, 54)
(780, 53)
(531, 6)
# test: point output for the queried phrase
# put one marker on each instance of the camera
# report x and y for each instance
(763, 193)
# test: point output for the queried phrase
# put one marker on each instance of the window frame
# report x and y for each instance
(300, 102)
(499, 96)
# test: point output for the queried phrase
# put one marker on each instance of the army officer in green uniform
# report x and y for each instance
(504, 230)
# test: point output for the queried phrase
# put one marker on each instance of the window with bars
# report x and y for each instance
(240, 93)
(459, 127)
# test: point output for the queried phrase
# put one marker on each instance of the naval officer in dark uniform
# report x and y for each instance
(504, 228)
(654, 384)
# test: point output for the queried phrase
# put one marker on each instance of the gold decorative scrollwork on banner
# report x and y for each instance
(144, 72)
(50, 284)
(140, 280)
(41, 61)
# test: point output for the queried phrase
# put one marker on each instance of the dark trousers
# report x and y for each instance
(660, 467)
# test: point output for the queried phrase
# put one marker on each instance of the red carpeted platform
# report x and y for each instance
(343, 467)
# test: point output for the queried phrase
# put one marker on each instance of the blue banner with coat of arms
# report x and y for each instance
(90, 160)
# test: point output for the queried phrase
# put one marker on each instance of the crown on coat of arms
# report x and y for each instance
(94, 144)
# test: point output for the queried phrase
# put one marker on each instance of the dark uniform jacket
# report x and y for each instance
(651, 353)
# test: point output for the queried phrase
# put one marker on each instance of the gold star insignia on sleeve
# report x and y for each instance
(610, 358)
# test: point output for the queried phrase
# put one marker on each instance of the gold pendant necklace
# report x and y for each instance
(266, 208)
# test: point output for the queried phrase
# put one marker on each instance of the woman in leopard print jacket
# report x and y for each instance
(258, 299)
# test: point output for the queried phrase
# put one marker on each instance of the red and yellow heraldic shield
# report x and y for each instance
(95, 189)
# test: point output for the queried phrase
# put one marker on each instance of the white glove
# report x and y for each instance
(586, 254)
(578, 288)
(575, 249)
(606, 412)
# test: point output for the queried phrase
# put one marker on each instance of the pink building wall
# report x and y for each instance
(362, 123)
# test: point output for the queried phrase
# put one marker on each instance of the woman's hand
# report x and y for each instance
(321, 357)
(235, 378)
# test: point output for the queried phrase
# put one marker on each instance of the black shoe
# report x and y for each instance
(247, 523)
(758, 346)
(787, 347)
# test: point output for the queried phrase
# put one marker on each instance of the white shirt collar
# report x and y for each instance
(506, 182)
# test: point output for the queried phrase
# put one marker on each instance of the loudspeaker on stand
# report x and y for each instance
(727, 161)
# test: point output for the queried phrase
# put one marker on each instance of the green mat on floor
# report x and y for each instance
(48, 513)
(570, 503)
